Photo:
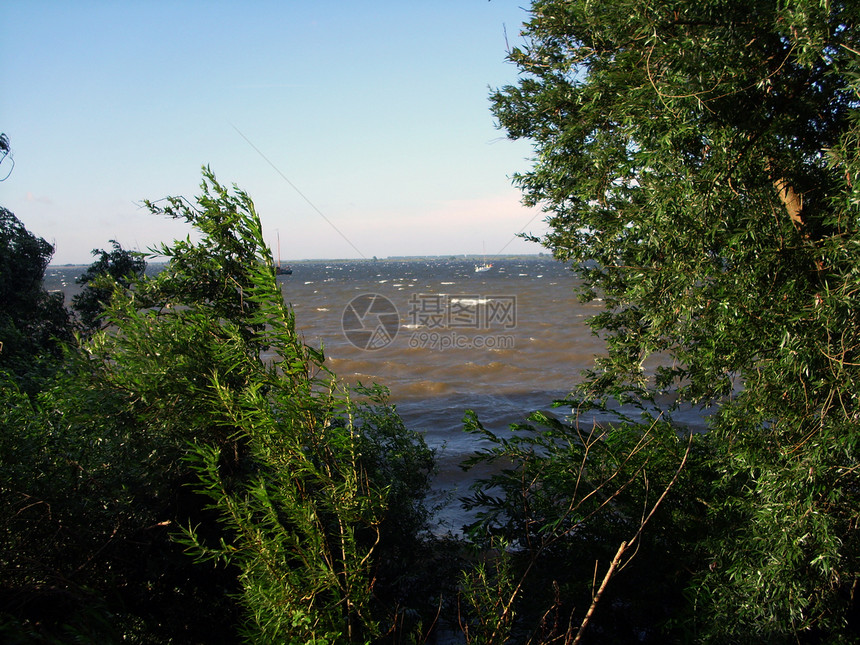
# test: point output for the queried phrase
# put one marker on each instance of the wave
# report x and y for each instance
(423, 389)
(470, 302)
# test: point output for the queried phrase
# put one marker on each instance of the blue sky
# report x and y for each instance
(377, 112)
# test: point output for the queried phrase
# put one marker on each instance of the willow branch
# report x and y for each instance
(612, 566)
(622, 549)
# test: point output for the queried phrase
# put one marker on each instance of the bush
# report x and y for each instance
(171, 429)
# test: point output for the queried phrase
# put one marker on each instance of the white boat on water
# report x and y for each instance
(484, 266)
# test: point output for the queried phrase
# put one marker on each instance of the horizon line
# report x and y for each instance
(371, 259)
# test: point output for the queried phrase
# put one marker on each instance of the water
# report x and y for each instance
(502, 342)
(512, 331)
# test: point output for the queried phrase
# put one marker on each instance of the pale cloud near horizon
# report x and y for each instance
(38, 200)
(487, 224)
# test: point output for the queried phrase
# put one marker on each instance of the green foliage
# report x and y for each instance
(296, 472)
(85, 508)
(699, 164)
(117, 268)
(33, 323)
(195, 419)
(490, 592)
(561, 498)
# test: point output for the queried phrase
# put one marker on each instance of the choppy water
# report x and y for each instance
(502, 342)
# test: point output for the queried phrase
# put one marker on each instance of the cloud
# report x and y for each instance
(38, 200)
(487, 224)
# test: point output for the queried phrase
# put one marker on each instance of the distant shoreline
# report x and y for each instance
(470, 257)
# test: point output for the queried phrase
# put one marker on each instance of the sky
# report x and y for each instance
(358, 128)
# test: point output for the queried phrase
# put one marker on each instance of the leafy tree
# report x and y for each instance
(700, 165)
(196, 417)
(118, 267)
(33, 323)
(310, 485)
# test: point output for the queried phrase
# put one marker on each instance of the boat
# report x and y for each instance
(280, 269)
(484, 266)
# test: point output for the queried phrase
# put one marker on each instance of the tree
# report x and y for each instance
(311, 481)
(117, 268)
(196, 419)
(700, 166)
(33, 323)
